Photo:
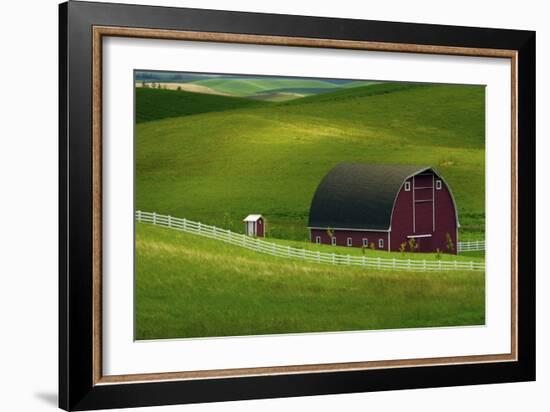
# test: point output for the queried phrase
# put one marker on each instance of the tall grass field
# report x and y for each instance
(262, 145)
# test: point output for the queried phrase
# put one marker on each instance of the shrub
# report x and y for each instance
(450, 244)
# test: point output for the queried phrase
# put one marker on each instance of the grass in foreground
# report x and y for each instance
(189, 286)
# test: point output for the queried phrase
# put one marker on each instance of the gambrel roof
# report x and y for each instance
(359, 195)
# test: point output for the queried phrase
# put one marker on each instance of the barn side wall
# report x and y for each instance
(357, 237)
(411, 217)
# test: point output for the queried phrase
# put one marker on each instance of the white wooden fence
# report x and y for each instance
(274, 249)
(470, 246)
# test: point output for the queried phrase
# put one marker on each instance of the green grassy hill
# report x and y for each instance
(246, 87)
(218, 166)
(190, 286)
(155, 104)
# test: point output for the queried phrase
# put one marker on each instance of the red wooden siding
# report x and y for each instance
(440, 212)
(355, 235)
(260, 227)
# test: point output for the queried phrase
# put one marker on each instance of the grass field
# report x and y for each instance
(247, 87)
(374, 253)
(223, 158)
(189, 286)
(156, 104)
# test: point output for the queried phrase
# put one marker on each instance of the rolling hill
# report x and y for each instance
(218, 162)
(155, 104)
(246, 87)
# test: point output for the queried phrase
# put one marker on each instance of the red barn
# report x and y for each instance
(359, 205)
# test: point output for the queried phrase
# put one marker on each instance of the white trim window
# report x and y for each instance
(333, 241)
(349, 241)
(318, 240)
(365, 242)
(407, 186)
(438, 185)
(381, 243)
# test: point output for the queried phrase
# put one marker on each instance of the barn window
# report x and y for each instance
(438, 184)
(317, 239)
(380, 243)
(333, 241)
(349, 241)
(407, 186)
(365, 242)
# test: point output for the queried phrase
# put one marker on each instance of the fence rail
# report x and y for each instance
(274, 249)
(470, 246)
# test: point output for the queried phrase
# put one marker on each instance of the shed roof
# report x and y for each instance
(359, 196)
(252, 218)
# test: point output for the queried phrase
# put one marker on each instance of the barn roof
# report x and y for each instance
(359, 196)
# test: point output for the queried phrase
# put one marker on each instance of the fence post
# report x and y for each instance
(154, 218)
(439, 264)
(169, 221)
(333, 259)
(472, 265)
(318, 256)
(139, 215)
(363, 261)
(378, 262)
(200, 227)
(393, 264)
(424, 264)
(409, 264)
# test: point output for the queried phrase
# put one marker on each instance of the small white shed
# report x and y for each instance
(254, 225)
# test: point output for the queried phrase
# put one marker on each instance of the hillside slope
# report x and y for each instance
(218, 167)
(246, 87)
(155, 104)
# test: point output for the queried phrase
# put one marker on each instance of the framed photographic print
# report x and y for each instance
(257, 205)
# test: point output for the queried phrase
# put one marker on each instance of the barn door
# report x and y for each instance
(424, 213)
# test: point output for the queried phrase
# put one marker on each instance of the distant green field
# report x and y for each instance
(189, 286)
(246, 87)
(223, 159)
(155, 104)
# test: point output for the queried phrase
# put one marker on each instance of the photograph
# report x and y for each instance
(270, 205)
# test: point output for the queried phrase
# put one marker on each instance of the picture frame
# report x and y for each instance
(83, 27)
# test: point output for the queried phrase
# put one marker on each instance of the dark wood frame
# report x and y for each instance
(82, 26)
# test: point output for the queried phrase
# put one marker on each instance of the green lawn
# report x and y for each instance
(216, 163)
(189, 286)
